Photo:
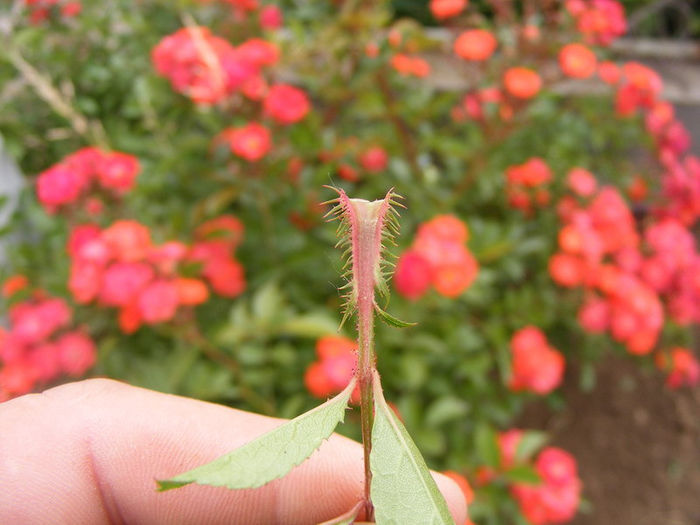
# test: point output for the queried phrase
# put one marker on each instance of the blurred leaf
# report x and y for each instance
(413, 371)
(445, 409)
(267, 301)
(588, 377)
(530, 442)
(523, 474)
(311, 325)
(251, 354)
(486, 442)
(431, 440)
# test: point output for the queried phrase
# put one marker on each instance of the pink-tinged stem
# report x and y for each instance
(366, 365)
(366, 222)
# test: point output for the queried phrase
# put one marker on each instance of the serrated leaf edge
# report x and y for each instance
(421, 468)
(186, 478)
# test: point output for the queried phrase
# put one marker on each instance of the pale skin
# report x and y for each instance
(90, 452)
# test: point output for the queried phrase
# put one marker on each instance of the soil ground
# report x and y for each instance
(637, 444)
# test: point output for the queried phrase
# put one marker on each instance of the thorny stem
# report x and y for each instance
(364, 228)
(366, 358)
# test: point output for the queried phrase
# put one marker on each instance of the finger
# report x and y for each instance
(90, 452)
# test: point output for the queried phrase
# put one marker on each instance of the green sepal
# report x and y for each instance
(391, 320)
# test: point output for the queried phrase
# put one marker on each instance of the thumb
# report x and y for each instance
(89, 452)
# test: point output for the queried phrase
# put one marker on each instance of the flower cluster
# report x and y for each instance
(403, 60)
(681, 185)
(40, 345)
(442, 9)
(208, 69)
(600, 21)
(40, 10)
(681, 177)
(577, 61)
(269, 16)
(410, 65)
(353, 158)
(681, 365)
(557, 498)
(525, 183)
(600, 251)
(521, 83)
(250, 142)
(639, 88)
(536, 366)
(286, 104)
(626, 276)
(475, 45)
(13, 285)
(336, 365)
(475, 106)
(81, 176)
(373, 159)
(672, 268)
(120, 267)
(439, 258)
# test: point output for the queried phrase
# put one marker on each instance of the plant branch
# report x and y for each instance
(364, 227)
(366, 366)
(205, 50)
(92, 130)
(194, 336)
(402, 129)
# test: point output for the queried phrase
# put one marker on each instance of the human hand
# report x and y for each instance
(89, 452)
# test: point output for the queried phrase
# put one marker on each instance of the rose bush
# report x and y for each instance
(172, 232)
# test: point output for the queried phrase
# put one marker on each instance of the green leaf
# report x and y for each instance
(529, 443)
(523, 474)
(487, 445)
(273, 454)
(445, 409)
(347, 518)
(391, 320)
(311, 325)
(588, 379)
(403, 491)
(267, 302)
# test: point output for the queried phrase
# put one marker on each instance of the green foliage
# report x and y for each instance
(487, 445)
(523, 474)
(530, 443)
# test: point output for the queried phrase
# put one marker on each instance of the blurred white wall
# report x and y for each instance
(10, 186)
